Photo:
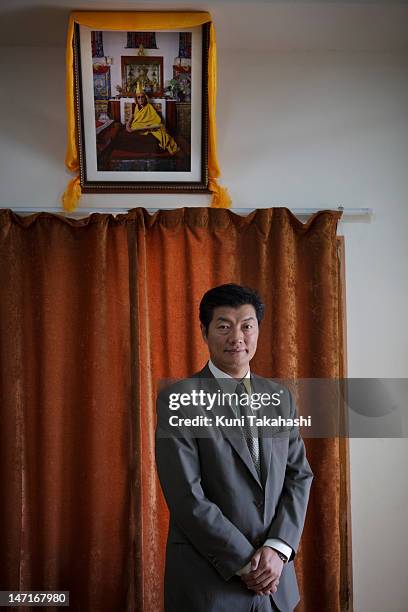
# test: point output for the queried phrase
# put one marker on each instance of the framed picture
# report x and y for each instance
(142, 113)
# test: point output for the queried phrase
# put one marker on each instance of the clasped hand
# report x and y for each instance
(266, 568)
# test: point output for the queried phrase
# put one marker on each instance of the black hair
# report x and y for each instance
(229, 295)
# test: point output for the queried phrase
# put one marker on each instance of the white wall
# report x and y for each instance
(302, 129)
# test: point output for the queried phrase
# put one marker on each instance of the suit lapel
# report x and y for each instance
(233, 434)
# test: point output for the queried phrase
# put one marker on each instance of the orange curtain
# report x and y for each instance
(93, 313)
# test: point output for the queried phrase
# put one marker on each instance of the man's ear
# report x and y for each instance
(203, 333)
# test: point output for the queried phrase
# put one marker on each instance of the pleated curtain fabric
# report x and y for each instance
(93, 313)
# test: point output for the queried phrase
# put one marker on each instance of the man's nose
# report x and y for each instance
(236, 336)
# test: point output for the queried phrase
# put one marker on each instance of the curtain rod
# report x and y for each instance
(347, 212)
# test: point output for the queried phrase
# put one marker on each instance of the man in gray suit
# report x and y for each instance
(237, 502)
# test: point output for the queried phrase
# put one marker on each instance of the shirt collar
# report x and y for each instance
(217, 373)
(224, 378)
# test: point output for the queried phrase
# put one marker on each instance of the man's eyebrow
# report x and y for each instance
(230, 320)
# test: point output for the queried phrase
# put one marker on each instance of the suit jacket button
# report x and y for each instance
(257, 542)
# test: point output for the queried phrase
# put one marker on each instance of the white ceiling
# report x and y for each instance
(241, 24)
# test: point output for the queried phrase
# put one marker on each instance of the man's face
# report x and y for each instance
(141, 100)
(232, 338)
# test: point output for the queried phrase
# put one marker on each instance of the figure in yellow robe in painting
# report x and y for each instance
(146, 120)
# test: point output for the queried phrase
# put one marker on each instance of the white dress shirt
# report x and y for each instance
(274, 543)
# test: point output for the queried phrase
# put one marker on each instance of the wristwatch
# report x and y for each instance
(281, 556)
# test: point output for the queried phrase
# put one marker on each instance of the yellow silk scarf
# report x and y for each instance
(135, 21)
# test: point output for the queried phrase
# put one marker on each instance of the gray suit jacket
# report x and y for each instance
(221, 511)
